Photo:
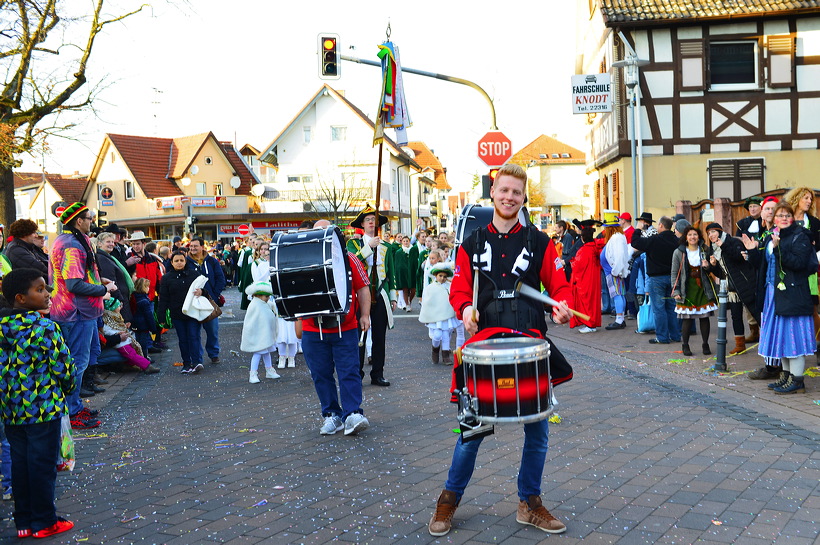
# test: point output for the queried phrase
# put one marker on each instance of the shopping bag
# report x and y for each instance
(646, 319)
(65, 458)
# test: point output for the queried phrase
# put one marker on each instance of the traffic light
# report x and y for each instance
(493, 174)
(101, 221)
(329, 60)
(434, 208)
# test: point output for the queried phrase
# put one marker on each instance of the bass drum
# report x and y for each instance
(474, 216)
(310, 273)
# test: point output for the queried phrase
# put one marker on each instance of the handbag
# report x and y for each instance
(646, 318)
(205, 303)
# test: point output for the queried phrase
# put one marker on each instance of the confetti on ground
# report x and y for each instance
(556, 419)
(135, 517)
(456, 430)
(678, 361)
(249, 430)
(812, 372)
(278, 487)
(717, 523)
(177, 364)
(91, 436)
(817, 402)
(259, 504)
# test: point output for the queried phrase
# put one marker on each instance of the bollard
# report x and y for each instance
(723, 299)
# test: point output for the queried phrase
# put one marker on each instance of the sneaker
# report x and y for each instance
(62, 525)
(84, 423)
(332, 425)
(282, 362)
(151, 369)
(615, 325)
(215, 359)
(355, 423)
(657, 341)
(533, 513)
(291, 362)
(254, 378)
(186, 368)
(442, 519)
(270, 372)
(87, 413)
(26, 532)
(155, 350)
(585, 329)
(197, 368)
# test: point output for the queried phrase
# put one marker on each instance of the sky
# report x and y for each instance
(244, 69)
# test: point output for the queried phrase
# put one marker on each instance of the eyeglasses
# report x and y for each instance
(87, 218)
(784, 216)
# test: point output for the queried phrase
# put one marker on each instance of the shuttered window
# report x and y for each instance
(780, 61)
(692, 69)
(616, 190)
(735, 179)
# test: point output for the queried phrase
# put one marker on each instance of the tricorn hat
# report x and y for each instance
(586, 223)
(647, 217)
(138, 235)
(368, 210)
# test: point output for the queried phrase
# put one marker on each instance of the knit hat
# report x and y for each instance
(112, 304)
(72, 211)
(259, 288)
(681, 224)
(714, 226)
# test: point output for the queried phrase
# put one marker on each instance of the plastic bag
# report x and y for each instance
(65, 458)
(646, 318)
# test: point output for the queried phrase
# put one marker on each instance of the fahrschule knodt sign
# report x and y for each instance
(591, 93)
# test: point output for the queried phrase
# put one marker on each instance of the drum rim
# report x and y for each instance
(531, 352)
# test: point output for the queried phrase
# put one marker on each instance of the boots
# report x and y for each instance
(793, 386)
(765, 373)
(686, 350)
(436, 350)
(253, 378)
(754, 334)
(442, 519)
(740, 345)
(706, 350)
(291, 362)
(282, 362)
(780, 382)
(445, 357)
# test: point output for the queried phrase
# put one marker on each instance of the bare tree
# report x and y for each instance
(43, 73)
(337, 200)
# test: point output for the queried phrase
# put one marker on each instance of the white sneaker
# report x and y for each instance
(282, 360)
(355, 423)
(332, 425)
(291, 362)
(271, 373)
(586, 329)
(254, 378)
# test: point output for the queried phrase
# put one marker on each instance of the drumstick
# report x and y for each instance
(533, 293)
(361, 339)
(475, 294)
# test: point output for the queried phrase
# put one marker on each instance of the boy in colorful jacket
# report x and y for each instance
(35, 374)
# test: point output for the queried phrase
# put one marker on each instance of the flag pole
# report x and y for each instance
(379, 187)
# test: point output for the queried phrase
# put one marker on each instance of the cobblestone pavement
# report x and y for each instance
(651, 449)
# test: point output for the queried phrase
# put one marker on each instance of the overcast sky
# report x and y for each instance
(243, 69)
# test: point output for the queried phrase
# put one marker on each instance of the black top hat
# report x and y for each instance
(368, 210)
(114, 228)
(647, 217)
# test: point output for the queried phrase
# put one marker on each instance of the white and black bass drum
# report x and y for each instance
(310, 273)
(474, 216)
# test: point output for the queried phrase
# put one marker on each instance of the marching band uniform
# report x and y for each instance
(383, 293)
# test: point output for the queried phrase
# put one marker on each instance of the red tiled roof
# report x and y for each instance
(427, 159)
(246, 176)
(151, 161)
(542, 149)
(70, 189)
(646, 11)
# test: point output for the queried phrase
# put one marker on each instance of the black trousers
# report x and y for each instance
(378, 326)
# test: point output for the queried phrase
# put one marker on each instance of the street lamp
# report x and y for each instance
(631, 66)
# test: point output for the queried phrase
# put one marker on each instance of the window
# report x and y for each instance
(209, 160)
(130, 191)
(735, 179)
(293, 179)
(338, 134)
(306, 134)
(733, 66)
(217, 189)
(200, 188)
(305, 179)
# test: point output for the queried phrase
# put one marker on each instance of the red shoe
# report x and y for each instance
(24, 533)
(62, 525)
(79, 423)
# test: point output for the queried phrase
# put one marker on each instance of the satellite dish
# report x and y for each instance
(257, 190)
(186, 181)
(194, 170)
(235, 181)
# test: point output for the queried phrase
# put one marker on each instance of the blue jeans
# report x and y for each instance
(5, 458)
(339, 354)
(110, 356)
(533, 456)
(144, 338)
(84, 344)
(211, 338)
(667, 326)
(190, 341)
(34, 449)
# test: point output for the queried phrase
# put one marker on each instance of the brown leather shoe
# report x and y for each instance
(445, 509)
(764, 373)
(533, 513)
(436, 351)
(740, 345)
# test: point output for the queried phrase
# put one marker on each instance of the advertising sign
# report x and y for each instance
(591, 93)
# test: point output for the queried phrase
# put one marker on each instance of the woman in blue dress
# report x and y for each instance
(787, 329)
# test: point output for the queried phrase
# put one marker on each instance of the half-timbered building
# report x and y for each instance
(728, 104)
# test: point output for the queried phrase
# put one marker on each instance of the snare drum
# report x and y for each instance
(310, 273)
(508, 379)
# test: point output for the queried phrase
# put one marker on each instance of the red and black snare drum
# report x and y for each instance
(508, 380)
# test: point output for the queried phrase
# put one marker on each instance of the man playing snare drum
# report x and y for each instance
(507, 253)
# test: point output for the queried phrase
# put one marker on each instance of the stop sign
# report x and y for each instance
(244, 230)
(494, 148)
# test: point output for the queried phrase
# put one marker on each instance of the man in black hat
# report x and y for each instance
(644, 223)
(377, 258)
(751, 225)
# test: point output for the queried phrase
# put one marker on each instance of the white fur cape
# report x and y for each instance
(435, 306)
(259, 328)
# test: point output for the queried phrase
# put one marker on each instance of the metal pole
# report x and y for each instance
(436, 76)
(723, 299)
(639, 138)
(632, 153)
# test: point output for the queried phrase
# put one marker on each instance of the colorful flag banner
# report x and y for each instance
(392, 110)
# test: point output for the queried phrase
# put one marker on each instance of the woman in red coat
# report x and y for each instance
(586, 283)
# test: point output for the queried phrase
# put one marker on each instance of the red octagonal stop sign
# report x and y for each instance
(494, 148)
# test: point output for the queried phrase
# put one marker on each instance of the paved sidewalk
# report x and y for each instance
(648, 452)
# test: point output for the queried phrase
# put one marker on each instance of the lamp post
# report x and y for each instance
(631, 66)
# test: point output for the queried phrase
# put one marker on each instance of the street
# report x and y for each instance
(650, 449)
